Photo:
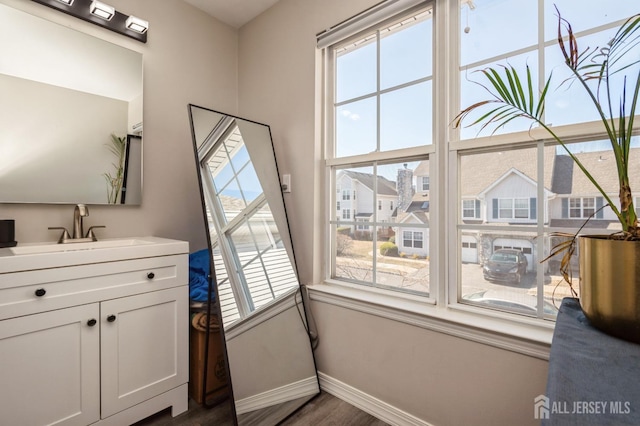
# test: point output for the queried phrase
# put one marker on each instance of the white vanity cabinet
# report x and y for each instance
(100, 339)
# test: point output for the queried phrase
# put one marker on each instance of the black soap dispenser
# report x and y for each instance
(7, 233)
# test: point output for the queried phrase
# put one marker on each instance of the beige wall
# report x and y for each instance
(438, 378)
(271, 66)
(189, 58)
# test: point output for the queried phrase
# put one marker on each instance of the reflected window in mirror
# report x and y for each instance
(247, 235)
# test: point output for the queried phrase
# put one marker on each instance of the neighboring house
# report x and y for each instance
(355, 202)
(507, 194)
(413, 210)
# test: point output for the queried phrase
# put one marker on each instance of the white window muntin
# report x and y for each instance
(371, 159)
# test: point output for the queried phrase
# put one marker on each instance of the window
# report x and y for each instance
(507, 189)
(425, 183)
(338, 205)
(245, 230)
(581, 207)
(363, 225)
(346, 195)
(346, 214)
(527, 184)
(513, 208)
(471, 209)
(382, 103)
(412, 239)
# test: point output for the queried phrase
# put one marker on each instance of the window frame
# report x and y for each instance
(444, 168)
(373, 160)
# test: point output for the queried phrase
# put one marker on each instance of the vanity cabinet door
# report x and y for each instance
(144, 342)
(49, 368)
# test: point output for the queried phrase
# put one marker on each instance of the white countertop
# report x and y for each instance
(31, 256)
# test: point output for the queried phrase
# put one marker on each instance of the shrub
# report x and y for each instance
(344, 230)
(388, 249)
(343, 244)
(392, 239)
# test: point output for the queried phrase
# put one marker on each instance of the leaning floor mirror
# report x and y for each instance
(258, 297)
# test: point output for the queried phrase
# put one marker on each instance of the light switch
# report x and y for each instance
(286, 183)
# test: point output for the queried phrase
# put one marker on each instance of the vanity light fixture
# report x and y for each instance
(136, 24)
(103, 15)
(102, 10)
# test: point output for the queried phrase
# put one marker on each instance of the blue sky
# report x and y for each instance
(494, 30)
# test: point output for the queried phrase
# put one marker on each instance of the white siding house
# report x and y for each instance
(355, 201)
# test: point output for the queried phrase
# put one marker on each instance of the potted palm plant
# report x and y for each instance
(609, 265)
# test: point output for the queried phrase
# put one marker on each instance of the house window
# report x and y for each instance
(412, 239)
(471, 209)
(346, 195)
(384, 107)
(363, 225)
(513, 208)
(346, 214)
(521, 208)
(381, 100)
(338, 205)
(581, 207)
(425, 183)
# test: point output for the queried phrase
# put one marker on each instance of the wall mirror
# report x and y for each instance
(258, 295)
(64, 94)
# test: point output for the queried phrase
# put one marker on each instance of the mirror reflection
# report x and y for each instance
(258, 295)
(65, 97)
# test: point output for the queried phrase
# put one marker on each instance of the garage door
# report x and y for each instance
(525, 246)
(469, 249)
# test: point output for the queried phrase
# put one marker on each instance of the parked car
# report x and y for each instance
(507, 265)
(510, 301)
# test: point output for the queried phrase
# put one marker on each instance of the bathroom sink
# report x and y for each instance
(92, 245)
(32, 256)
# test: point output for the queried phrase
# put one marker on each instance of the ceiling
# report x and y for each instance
(233, 12)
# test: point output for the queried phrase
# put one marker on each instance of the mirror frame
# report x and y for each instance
(110, 80)
(302, 309)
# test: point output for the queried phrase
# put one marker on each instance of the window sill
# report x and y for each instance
(515, 333)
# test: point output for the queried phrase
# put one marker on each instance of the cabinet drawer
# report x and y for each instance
(29, 292)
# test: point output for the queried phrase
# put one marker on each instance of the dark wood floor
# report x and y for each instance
(325, 409)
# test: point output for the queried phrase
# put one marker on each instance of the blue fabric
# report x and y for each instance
(199, 269)
(587, 366)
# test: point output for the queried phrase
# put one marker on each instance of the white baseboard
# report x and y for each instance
(305, 387)
(368, 403)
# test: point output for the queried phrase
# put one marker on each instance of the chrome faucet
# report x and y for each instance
(79, 212)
